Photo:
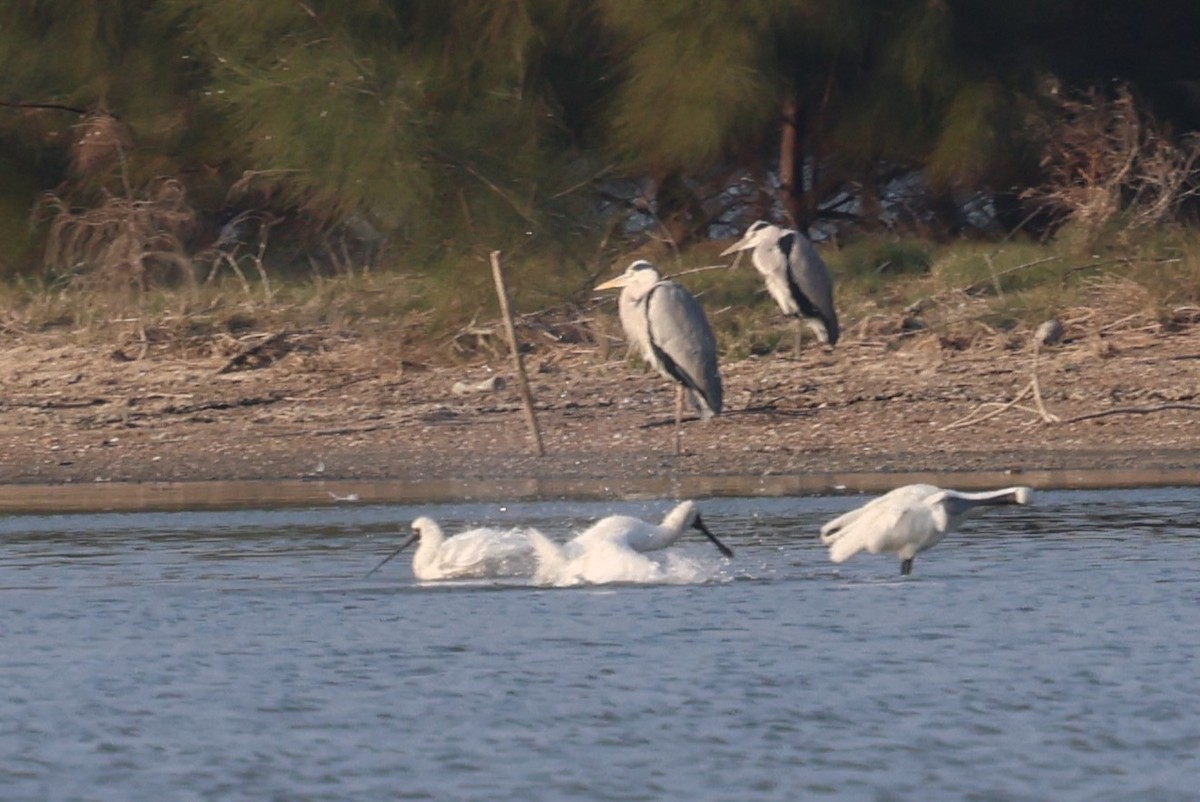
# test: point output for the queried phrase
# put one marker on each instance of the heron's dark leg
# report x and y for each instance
(906, 567)
(678, 418)
(798, 325)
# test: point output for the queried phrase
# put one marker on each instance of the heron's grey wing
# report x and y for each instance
(813, 286)
(683, 341)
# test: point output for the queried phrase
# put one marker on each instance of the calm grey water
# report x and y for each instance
(1050, 652)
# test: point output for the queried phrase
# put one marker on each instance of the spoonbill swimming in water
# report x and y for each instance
(604, 561)
(909, 520)
(613, 550)
(638, 535)
(476, 553)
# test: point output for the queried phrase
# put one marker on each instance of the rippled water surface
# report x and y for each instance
(1050, 652)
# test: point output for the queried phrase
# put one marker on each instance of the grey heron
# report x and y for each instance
(483, 552)
(909, 520)
(670, 330)
(794, 274)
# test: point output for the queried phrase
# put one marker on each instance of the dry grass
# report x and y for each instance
(1109, 164)
(124, 242)
(889, 290)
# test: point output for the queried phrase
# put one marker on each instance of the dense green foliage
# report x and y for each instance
(542, 126)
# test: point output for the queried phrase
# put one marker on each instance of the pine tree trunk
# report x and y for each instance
(871, 204)
(791, 163)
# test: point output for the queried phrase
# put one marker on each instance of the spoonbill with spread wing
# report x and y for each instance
(909, 520)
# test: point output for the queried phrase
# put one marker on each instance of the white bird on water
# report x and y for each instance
(613, 549)
(909, 520)
(476, 553)
(605, 562)
(641, 536)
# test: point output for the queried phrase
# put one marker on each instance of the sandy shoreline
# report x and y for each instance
(195, 495)
(326, 409)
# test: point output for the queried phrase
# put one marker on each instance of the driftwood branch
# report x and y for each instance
(58, 404)
(1047, 417)
(245, 358)
(1133, 411)
(48, 106)
(973, 417)
(339, 385)
(245, 401)
(1032, 387)
(704, 268)
(340, 430)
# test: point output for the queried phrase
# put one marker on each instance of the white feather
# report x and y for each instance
(476, 553)
(909, 520)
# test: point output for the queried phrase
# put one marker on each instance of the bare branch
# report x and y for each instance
(1134, 411)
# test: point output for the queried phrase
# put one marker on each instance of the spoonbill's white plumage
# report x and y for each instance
(641, 536)
(909, 520)
(476, 553)
(614, 550)
(602, 562)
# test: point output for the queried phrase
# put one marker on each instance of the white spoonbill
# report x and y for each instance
(638, 535)
(601, 562)
(909, 520)
(483, 552)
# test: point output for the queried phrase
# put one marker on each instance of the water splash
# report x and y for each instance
(608, 564)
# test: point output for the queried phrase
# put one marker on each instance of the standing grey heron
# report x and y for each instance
(668, 327)
(795, 276)
(909, 520)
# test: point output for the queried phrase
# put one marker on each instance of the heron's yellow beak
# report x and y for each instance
(740, 245)
(614, 283)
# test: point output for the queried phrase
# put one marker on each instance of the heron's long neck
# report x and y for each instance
(641, 295)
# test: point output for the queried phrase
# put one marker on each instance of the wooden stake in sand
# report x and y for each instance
(518, 363)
